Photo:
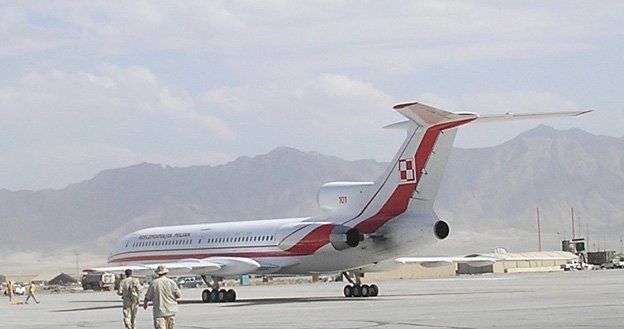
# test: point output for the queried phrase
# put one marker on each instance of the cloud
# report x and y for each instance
(395, 39)
(203, 82)
(335, 85)
(67, 116)
(114, 116)
(518, 101)
(127, 98)
(113, 28)
(330, 113)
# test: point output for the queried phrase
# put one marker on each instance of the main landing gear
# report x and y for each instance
(216, 295)
(356, 288)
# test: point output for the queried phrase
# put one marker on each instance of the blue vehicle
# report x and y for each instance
(190, 282)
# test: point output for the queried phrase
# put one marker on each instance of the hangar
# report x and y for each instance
(535, 261)
(544, 261)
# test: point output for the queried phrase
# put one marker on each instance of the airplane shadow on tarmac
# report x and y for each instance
(286, 300)
(238, 303)
(290, 300)
(117, 304)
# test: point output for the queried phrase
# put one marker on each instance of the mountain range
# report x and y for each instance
(496, 189)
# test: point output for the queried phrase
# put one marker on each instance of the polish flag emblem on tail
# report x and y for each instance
(406, 169)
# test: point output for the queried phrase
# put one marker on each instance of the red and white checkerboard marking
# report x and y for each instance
(406, 169)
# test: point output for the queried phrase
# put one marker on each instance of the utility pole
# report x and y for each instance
(76, 253)
(573, 235)
(587, 235)
(539, 232)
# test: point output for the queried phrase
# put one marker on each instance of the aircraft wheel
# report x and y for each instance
(222, 295)
(214, 296)
(373, 290)
(357, 291)
(206, 296)
(364, 290)
(230, 296)
(348, 291)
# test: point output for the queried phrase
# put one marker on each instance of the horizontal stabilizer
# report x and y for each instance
(424, 115)
(527, 116)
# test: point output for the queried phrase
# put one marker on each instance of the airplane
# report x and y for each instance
(366, 226)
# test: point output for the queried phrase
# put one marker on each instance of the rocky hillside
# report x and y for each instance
(483, 189)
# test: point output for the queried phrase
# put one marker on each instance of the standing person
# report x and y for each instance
(9, 290)
(164, 294)
(129, 290)
(31, 293)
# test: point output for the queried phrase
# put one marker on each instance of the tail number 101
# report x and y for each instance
(342, 199)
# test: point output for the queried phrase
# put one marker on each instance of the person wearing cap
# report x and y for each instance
(129, 290)
(164, 294)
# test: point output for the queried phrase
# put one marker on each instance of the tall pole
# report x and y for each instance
(573, 235)
(587, 236)
(539, 232)
(76, 253)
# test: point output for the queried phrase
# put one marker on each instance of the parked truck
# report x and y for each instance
(99, 281)
(575, 264)
(618, 262)
(572, 264)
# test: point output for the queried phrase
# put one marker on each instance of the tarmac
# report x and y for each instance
(592, 299)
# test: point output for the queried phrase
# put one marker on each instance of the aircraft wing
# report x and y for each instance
(187, 266)
(215, 266)
(476, 261)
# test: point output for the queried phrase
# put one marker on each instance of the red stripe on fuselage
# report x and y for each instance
(396, 205)
(196, 253)
(428, 142)
(165, 256)
(308, 245)
(313, 241)
(399, 200)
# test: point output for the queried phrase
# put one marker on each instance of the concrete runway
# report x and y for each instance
(539, 300)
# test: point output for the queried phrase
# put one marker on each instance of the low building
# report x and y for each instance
(545, 261)
(20, 278)
(413, 271)
(535, 261)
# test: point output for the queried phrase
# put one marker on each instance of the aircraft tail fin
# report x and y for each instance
(417, 166)
(412, 179)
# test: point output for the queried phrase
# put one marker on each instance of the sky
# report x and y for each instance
(94, 85)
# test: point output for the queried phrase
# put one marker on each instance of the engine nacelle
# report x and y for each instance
(344, 237)
(347, 196)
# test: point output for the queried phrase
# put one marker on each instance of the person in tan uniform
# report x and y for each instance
(129, 290)
(9, 289)
(164, 294)
(31, 293)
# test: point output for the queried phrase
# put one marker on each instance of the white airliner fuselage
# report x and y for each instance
(269, 242)
(366, 225)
